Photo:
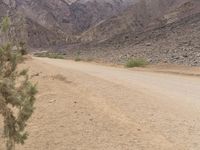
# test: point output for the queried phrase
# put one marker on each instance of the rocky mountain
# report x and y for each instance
(63, 18)
(87, 13)
(140, 17)
(106, 26)
(69, 16)
(159, 31)
(25, 27)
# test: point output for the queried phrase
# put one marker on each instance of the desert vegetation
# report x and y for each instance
(139, 62)
(77, 59)
(49, 55)
(17, 93)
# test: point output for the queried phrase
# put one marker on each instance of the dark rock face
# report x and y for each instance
(51, 14)
(72, 18)
(88, 13)
(62, 18)
(40, 37)
(3, 9)
(27, 25)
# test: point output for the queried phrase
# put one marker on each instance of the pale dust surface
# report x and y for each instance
(82, 106)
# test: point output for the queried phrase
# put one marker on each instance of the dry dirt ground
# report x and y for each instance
(82, 106)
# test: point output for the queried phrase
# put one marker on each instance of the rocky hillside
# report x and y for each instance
(25, 28)
(140, 17)
(170, 36)
(69, 16)
(87, 13)
(110, 30)
(61, 18)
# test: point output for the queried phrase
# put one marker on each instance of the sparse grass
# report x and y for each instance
(77, 59)
(131, 63)
(60, 78)
(50, 55)
(56, 56)
(89, 59)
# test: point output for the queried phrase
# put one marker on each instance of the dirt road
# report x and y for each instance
(84, 106)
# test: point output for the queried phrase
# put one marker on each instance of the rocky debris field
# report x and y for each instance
(176, 43)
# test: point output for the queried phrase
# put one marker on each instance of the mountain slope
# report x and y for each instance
(69, 17)
(88, 13)
(62, 18)
(172, 38)
(141, 17)
(26, 29)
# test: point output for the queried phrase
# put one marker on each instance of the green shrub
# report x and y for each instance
(136, 63)
(40, 54)
(23, 49)
(77, 58)
(55, 56)
(17, 94)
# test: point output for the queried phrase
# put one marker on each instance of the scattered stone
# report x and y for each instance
(52, 101)
(148, 44)
(35, 75)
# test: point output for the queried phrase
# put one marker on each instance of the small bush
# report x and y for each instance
(136, 63)
(49, 55)
(23, 49)
(89, 59)
(17, 93)
(77, 59)
(55, 56)
(40, 54)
